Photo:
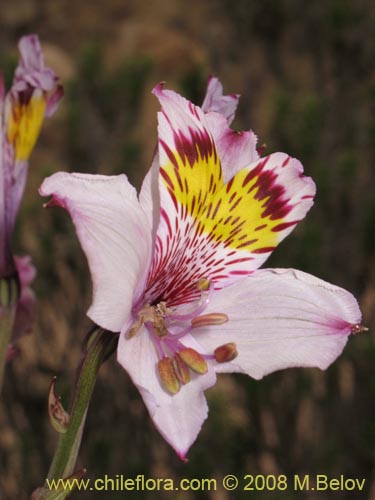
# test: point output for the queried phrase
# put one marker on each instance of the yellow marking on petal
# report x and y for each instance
(246, 214)
(24, 124)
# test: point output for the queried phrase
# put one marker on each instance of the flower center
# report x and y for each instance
(167, 330)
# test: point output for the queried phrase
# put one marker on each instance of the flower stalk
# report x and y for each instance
(9, 295)
(101, 344)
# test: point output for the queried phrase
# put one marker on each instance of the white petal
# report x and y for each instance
(149, 196)
(178, 417)
(281, 319)
(115, 235)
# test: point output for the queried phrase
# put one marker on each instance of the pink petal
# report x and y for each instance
(236, 150)
(178, 417)
(212, 229)
(214, 100)
(114, 234)
(31, 69)
(279, 319)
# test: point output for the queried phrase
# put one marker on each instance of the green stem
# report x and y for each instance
(9, 294)
(100, 345)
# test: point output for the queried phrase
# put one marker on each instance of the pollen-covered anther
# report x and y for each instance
(209, 319)
(359, 329)
(181, 369)
(193, 360)
(203, 284)
(226, 352)
(167, 374)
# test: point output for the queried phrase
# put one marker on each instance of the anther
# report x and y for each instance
(168, 375)
(203, 284)
(358, 329)
(226, 352)
(181, 369)
(193, 360)
(209, 319)
(133, 329)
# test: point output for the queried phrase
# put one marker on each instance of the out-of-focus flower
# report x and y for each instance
(175, 270)
(33, 95)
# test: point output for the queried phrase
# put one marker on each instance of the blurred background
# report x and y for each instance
(306, 75)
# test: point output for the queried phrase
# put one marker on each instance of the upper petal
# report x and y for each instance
(178, 417)
(31, 68)
(216, 101)
(209, 228)
(280, 319)
(115, 235)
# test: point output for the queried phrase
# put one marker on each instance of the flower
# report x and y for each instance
(33, 95)
(175, 270)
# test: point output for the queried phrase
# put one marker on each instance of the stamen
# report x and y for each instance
(203, 284)
(226, 352)
(209, 319)
(168, 375)
(358, 329)
(193, 360)
(156, 340)
(133, 329)
(181, 369)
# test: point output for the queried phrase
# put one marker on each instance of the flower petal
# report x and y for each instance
(31, 69)
(209, 229)
(149, 196)
(281, 318)
(114, 233)
(236, 150)
(216, 101)
(178, 417)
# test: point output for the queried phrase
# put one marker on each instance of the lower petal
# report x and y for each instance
(178, 417)
(280, 319)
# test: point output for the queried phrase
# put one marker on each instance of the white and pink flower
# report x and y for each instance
(175, 269)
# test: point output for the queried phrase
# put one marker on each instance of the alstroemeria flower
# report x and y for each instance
(33, 95)
(175, 269)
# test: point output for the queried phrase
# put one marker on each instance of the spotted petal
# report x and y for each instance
(209, 228)
(178, 417)
(280, 319)
(114, 233)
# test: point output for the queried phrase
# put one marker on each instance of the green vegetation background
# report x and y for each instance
(304, 72)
